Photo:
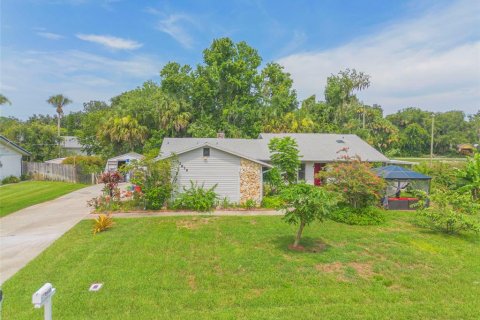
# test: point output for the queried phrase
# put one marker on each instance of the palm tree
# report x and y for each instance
(4, 100)
(123, 131)
(59, 101)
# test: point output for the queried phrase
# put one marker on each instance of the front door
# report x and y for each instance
(317, 167)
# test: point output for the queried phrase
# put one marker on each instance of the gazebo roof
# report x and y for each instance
(399, 173)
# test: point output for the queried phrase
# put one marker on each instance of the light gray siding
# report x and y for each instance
(219, 168)
(11, 162)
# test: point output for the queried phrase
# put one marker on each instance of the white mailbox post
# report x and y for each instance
(43, 297)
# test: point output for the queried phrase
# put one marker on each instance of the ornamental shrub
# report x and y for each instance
(196, 198)
(10, 179)
(355, 180)
(155, 180)
(272, 202)
(450, 212)
(88, 164)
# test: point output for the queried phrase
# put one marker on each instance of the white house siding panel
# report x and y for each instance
(309, 169)
(11, 162)
(219, 168)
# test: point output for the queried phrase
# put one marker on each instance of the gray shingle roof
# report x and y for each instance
(14, 146)
(71, 142)
(313, 146)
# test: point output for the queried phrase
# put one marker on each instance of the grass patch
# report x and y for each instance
(14, 197)
(241, 268)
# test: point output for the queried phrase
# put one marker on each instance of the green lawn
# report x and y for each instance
(17, 196)
(240, 268)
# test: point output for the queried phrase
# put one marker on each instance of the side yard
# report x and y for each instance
(16, 196)
(240, 268)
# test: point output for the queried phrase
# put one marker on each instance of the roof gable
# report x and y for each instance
(14, 146)
(213, 146)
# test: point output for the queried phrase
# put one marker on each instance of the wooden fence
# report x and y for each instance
(58, 172)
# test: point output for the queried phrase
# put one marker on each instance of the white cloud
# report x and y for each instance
(173, 25)
(432, 61)
(50, 35)
(110, 42)
(30, 77)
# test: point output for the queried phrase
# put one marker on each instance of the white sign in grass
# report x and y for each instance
(95, 287)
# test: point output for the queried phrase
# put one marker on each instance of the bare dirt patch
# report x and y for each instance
(194, 223)
(330, 267)
(317, 247)
(363, 269)
(192, 283)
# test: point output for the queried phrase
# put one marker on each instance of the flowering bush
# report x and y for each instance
(355, 180)
(110, 180)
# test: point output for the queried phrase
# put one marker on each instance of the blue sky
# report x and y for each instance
(418, 53)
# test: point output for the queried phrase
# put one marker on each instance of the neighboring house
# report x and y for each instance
(55, 161)
(466, 148)
(71, 146)
(236, 165)
(115, 163)
(11, 158)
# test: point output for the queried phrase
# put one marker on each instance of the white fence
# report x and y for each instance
(57, 172)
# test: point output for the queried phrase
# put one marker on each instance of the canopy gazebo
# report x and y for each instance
(398, 179)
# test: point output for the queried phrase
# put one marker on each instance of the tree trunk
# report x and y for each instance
(58, 125)
(299, 234)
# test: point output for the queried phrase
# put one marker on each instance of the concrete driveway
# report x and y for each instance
(26, 233)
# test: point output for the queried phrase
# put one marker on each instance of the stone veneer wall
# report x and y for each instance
(250, 181)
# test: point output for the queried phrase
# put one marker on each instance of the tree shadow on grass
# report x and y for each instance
(307, 244)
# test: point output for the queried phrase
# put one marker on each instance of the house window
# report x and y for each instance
(301, 172)
(206, 152)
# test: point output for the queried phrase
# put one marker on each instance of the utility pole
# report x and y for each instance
(431, 139)
(363, 117)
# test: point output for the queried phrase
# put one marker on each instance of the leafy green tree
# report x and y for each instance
(39, 139)
(59, 102)
(95, 114)
(414, 140)
(4, 100)
(470, 176)
(408, 116)
(340, 88)
(285, 156)
(450, 212)
(88, 164)
(226, 87)
(305, 203)
(276, 91)
(177, 80)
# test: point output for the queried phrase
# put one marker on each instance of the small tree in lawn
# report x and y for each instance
(306, 203)
(285, 157)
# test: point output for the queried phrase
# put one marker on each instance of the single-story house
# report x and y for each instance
(72, 146)
(11, 158)
(236, 165)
